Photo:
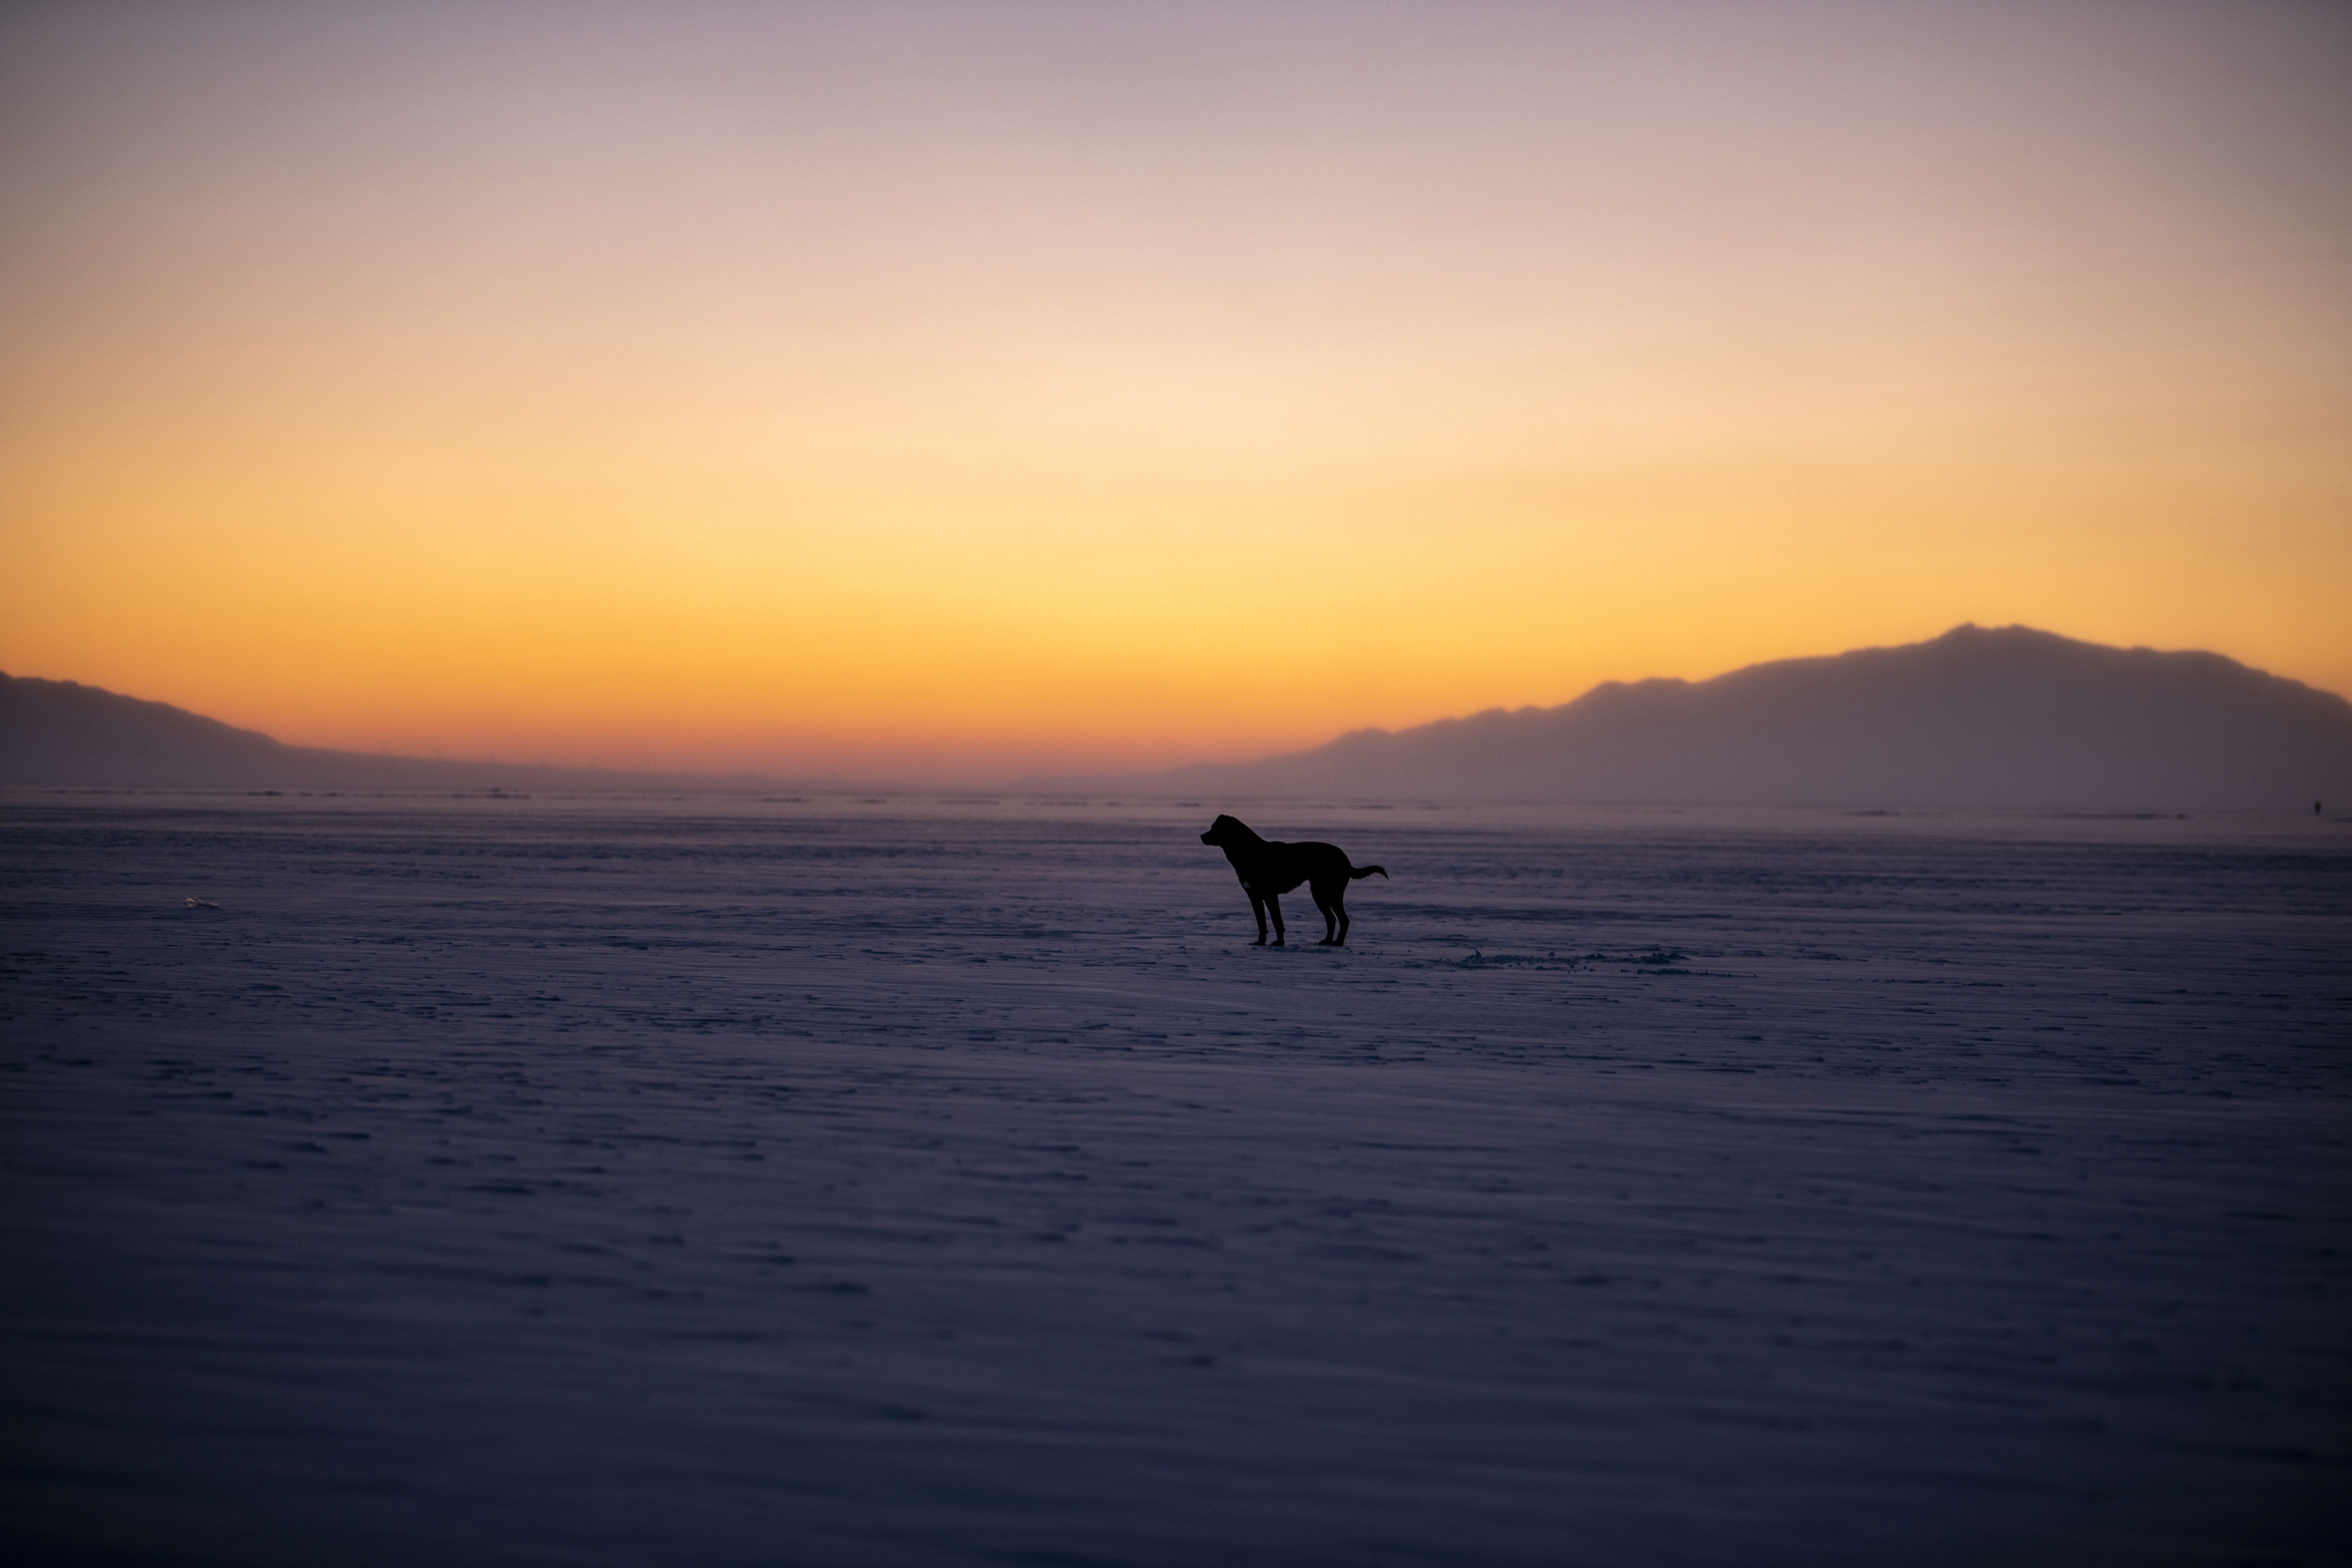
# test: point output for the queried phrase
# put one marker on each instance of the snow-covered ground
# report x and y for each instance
(950, 1181)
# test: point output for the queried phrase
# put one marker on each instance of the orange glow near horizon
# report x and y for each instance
(960, 391)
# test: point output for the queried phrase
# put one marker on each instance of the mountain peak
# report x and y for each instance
(1998, 716)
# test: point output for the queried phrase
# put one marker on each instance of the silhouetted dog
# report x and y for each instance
(1267, 868)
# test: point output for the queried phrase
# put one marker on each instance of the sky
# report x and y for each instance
(960, 390)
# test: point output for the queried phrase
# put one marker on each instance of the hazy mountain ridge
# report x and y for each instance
(63, 735)
(2007, 718)
(2002, 717)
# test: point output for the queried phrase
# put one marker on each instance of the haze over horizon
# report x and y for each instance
(974, 388)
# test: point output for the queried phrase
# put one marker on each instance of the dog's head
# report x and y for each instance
(1229, 830)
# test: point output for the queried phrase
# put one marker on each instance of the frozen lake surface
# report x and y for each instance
(949, 1183)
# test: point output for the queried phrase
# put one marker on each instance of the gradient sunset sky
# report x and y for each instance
(963, 388)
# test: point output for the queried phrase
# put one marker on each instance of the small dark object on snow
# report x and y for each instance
(1268, 867)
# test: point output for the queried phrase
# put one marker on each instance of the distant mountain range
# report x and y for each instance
(64, 734)
(2003, 718)
(2011, 717)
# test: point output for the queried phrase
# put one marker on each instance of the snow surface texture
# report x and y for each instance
(950, 1182)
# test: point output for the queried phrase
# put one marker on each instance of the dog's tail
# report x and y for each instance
(1358, 873)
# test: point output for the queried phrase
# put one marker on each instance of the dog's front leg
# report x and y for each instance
(1274, 907)
(1257, 908)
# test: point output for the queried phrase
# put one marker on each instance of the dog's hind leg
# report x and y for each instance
(1333, 902)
